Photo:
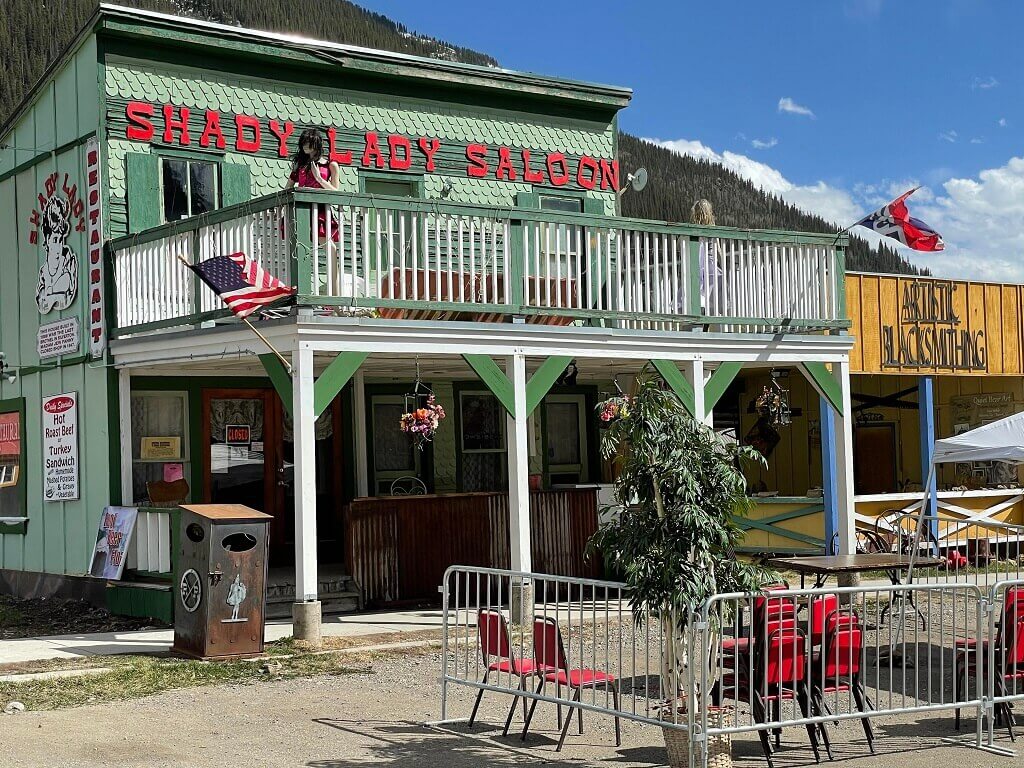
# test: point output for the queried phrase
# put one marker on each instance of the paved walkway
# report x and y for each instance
(160, 640)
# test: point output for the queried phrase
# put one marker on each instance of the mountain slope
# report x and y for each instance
(677, 181)
(28, 44)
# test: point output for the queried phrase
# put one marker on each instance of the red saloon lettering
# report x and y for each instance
(177, 125)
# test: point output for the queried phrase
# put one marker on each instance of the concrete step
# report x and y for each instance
(332, 603)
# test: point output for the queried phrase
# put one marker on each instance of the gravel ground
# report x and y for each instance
(375, 716)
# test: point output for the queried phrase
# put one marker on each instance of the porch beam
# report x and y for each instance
(720, 380)
(543, 379)
(926, 420)
(678, 383)
(335, 376)
(281, 380)
(829, 477)
(825, 383)
(495, 379)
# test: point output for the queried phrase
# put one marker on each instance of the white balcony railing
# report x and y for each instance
(431, 260)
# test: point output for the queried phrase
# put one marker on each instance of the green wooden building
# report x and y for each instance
(472, 251)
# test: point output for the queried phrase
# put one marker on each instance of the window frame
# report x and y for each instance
(17, 405)
(217, 161)
(186, 438)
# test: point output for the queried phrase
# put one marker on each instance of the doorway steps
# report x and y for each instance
(337, 591)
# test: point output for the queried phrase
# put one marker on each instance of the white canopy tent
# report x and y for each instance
(1001, 440)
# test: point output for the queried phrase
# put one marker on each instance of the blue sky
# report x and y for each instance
(836, 105)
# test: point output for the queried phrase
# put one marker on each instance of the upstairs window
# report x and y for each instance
(189, 188)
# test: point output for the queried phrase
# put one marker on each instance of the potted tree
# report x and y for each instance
(679, 487)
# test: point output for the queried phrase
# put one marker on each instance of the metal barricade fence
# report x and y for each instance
(1003, 653)
(807, 657)
(780, 658)
(598, 632)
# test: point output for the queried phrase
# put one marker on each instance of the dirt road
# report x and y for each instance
(374, 716)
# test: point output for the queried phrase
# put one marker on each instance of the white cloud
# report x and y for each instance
(832, 204)
(984, 83)
(1002, 122)
(977, 140)
(981, 218)
(949, 136)
(789, 106)
(764, 143)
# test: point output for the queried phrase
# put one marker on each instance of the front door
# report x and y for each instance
(240, 456)
(248, 459)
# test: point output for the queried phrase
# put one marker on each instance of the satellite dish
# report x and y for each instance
(638, 180)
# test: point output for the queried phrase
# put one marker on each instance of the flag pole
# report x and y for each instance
(287, 365)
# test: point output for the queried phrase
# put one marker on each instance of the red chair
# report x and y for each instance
(972, 657)
(765, 610)
(837, 669)
(821, 607)
(496, 649)
(780, 674)
(552, 663)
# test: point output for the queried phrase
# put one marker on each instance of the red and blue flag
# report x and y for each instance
(894, 220)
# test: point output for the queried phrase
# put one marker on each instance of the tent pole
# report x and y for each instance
(920, 522)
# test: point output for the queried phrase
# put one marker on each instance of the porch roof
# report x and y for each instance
(621, 350)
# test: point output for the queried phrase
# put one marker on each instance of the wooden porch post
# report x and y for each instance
(693, 370)
(926, 420)
(306, 609)
(520, 602)
(361, 464)
(844, 461)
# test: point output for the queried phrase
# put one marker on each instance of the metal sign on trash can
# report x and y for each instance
(220, 585)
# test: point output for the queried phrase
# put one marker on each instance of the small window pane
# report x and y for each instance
(482, 423)
(204, 188)
(483, 472)
(568, 204)
(392, 448)
(563, 433)
(10, 465)
(175, 190)
(396, 188)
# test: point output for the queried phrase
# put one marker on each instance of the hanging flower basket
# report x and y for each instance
(422, 423)
(613, 409)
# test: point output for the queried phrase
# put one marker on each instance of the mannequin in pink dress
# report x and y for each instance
(311, 171)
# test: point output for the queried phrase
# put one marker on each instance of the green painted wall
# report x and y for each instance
(351, 111)
(49, 139)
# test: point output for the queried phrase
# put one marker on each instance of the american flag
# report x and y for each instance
(242, 283)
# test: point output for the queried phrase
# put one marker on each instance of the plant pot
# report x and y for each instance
(677, 740)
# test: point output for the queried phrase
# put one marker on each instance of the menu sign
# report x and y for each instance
(112, 540)
(60, 447)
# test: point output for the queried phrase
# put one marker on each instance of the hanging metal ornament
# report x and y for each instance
(420, 393)
(422, 414)
(773, 403)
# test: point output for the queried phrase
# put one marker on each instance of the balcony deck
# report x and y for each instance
(397, 258)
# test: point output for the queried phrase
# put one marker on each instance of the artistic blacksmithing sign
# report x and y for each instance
(930, 333)
(922, 325)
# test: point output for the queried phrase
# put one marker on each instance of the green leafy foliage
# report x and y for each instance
(680, 485)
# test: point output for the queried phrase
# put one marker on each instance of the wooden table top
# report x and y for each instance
(852, 563)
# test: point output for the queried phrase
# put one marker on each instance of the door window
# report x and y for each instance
(566, 436)
(394, 455)
(237, 451)
(484, 461)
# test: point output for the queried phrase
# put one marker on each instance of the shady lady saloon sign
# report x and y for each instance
(928, 332)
